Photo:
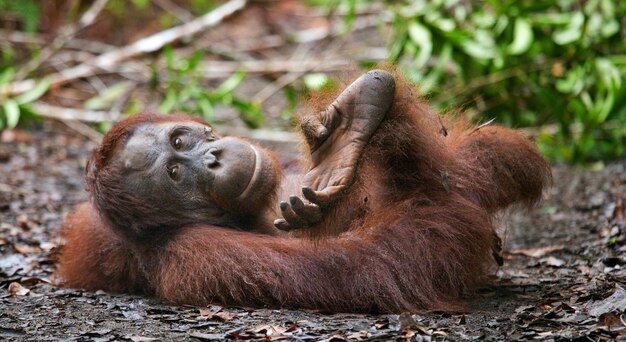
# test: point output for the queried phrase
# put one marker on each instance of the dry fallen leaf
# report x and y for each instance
(359, 335)
(610, 320)
(26, 249)
(615, 302)
(16, 289)
(47, 246)
(525, 308)
(334, 337)
(35, 280)
(381, 324)
(552, 261)
(544, 333)
(224, 316)
(142, 339)
(207, 337)
(537, 252)
(206, 312)
(268, 330)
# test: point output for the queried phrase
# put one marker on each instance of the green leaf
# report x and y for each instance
(412, 9)
(423, 38)
(6, 75)
(572, 32)
(350, 15)
(107, 97)
(29, 11)
(251, 112)
(141, 4)
(483, 18)
(604, 105)
(574, 81)
(168, 52)
(315, 81)
(170, 101)
(551, 18)
(429, 82)
(444, 24)
(230, 84)
(34, 93)
(195, 59)
(522, 37)
(478, 50)
(609, 74)
(609, 28)
(206, 107)
(398, 45)
(501, 24)
(608, 7)
(292, 101)
(185, 94)
(11, 112)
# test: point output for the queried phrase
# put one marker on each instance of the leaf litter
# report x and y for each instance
(563, 277)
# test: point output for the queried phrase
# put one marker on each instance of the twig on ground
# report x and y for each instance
(277, 85)
(148, 44)
(84, 130)
(19, 37)
(266, 92)
(213, 68)
(62, 113)
(94, 82)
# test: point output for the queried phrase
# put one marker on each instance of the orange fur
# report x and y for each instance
(414, 232)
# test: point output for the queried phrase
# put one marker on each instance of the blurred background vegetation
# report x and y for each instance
(555, 68)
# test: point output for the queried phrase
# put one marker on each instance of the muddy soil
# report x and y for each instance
(563, 277)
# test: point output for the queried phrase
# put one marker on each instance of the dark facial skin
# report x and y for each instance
(184, 167)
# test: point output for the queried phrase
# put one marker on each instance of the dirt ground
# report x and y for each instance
(562, 278)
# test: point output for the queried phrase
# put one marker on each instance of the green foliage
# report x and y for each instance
(26, 11)
(184, 91)
(13, 109)
(200, 7)
(555, 64)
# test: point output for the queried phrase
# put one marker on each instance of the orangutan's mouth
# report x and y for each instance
(255, 176)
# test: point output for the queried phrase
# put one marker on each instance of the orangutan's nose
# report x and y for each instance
(210, 159)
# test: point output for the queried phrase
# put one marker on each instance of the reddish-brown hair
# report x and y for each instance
(414, 232)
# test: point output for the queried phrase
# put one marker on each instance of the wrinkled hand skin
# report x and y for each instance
(337, 137)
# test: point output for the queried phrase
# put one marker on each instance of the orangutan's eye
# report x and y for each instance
(173, 172)
(177, 143)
